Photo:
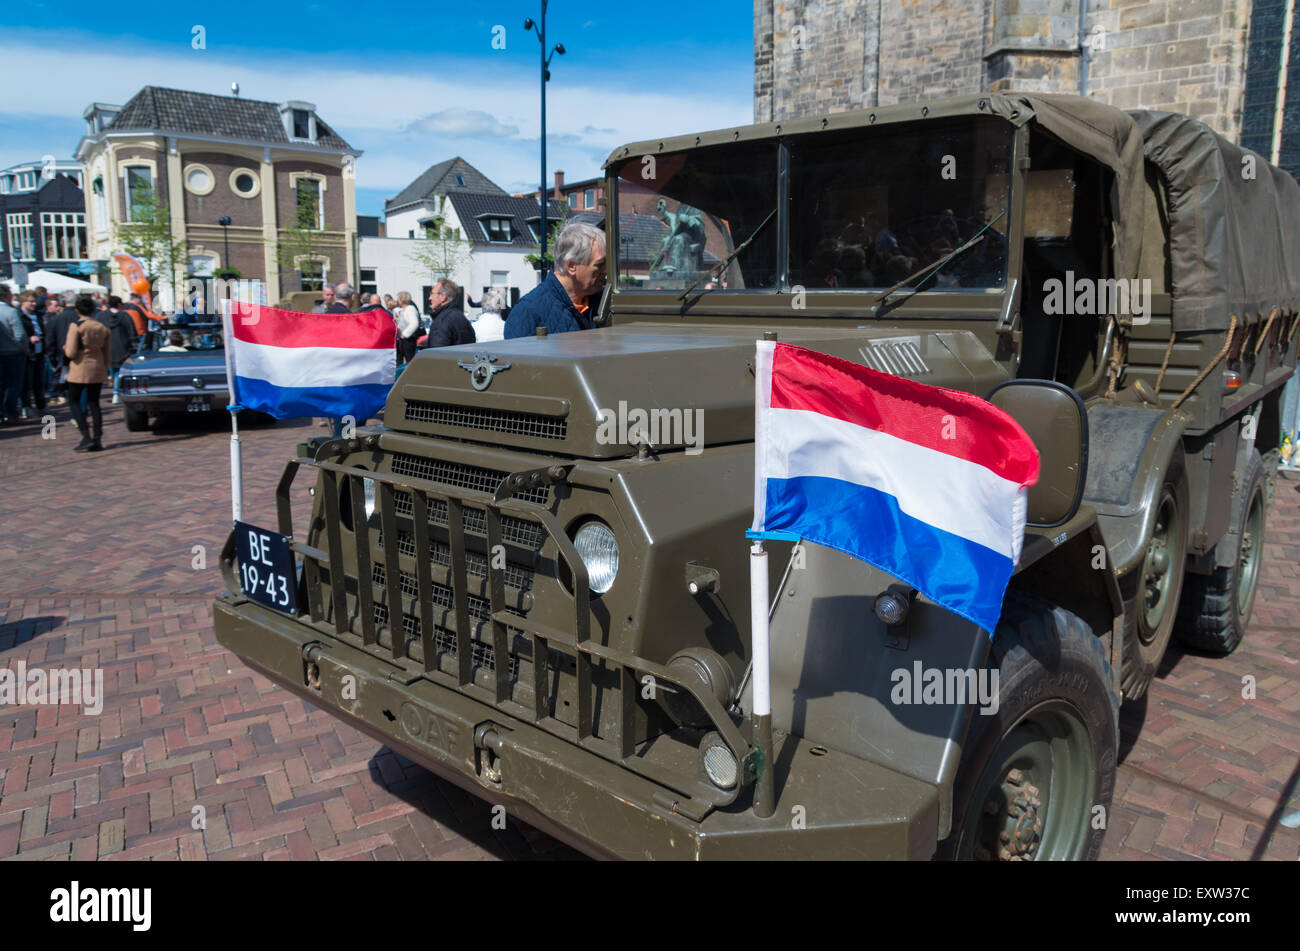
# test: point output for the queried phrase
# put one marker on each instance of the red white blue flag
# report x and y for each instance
(289, 364)
(924, 483)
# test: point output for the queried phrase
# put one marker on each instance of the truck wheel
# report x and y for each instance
(1159, 580)
(137, 420)
(1217, 606)
(1034, 773)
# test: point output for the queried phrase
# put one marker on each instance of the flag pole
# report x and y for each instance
(236, 466)
(764, 785)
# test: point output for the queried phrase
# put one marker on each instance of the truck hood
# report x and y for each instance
(587, 393)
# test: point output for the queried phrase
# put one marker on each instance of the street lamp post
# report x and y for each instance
(540, 29)
(626, 241)
(225, 237)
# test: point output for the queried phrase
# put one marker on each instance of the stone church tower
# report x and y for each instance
(1226, 62)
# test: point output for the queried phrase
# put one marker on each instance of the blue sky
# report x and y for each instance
(410, 84)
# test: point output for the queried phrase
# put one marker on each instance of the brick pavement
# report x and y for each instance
(98, 569)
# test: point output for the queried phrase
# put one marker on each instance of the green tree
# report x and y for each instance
(307, 238)
(553, 229)
(147, 236)
(442, 250)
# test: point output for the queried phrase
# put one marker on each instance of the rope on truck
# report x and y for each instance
(1200, 377)
(1263, 334)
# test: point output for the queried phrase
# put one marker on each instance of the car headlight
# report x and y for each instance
(598, 550)
(368, 493)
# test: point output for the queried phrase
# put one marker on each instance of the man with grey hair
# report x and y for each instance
(563, 301)
(449, 327)
(327, 298)
(343, 294)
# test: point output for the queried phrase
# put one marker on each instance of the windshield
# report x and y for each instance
(184, 339)
(682, 214)
(868, 207)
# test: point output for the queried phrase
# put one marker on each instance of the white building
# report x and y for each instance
(500, 231)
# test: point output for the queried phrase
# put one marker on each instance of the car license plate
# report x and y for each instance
(266, 567)
(198, 404)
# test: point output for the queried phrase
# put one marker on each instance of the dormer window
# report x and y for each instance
(299, 120)
(99, 116)
(498, 230)
(460, 179)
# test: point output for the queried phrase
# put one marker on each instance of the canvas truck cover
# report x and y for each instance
(1234, 224)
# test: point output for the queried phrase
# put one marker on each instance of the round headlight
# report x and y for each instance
(718, 762)
(368, 492)
(598, 550)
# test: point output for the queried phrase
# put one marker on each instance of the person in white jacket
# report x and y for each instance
(489, 325)
(408, 326)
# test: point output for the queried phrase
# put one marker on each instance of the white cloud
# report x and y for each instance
(402, 116)
(463, 122)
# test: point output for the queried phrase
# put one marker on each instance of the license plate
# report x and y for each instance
(198, 404)
(266, 568)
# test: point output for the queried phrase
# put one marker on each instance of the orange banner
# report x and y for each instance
(133, 271)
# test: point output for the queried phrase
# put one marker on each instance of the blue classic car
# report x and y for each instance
(180, 368)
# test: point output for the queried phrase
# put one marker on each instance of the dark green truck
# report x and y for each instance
(533, 581)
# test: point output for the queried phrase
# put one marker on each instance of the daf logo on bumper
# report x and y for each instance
(482, 370)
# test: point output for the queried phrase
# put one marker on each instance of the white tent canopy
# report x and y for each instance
(61, 282)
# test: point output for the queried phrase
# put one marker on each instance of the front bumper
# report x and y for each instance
(829, 804)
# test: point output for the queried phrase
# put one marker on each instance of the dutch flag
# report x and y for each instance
(289, 364)
(924, 483)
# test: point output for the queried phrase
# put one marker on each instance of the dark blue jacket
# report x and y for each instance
(546, 305)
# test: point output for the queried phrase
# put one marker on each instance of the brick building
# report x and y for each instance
(1225, 62)
(210, 158)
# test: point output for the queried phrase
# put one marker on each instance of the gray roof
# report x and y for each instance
(155, 108)
(441, 179)
(472, 208)
(647, 233)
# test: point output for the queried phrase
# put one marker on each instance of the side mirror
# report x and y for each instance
(1054, 417)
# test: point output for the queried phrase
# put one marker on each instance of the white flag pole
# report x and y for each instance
(236, 467)
(759, 596)
(764, 785)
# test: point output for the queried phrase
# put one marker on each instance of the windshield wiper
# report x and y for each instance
(930, 270)
(721, 269)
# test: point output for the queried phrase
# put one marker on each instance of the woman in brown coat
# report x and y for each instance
(88, 350)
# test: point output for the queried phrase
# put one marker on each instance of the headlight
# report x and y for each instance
(718, 762)
(598, 550)
(368, 493)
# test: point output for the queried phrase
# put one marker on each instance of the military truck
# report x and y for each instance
(532, 581)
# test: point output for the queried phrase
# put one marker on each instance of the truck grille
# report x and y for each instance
(461, 476)
(445, 641)
(492, 420)
(475, 564)
(517, 531)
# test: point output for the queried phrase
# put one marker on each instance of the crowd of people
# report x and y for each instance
(62, 349)
(49, 356)
(562, 302)
(447, 326)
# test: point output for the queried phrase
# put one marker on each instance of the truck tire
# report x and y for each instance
(137, 420)
(1034, 773)
(1216, 607)
(1157, 584)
